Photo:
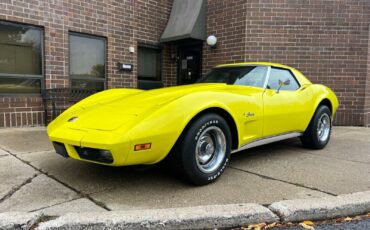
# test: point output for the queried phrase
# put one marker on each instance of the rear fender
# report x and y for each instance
(321, 93)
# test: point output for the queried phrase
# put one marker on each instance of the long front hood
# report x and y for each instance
(161, 96)
(101, 117)
(128, 111)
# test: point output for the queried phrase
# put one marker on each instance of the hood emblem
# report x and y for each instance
(72, 119)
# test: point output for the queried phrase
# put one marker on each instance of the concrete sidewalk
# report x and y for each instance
(35, 179)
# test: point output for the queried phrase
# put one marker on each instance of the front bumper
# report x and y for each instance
(120, 143)
(90, 154)
(60, 149)
(91, 145)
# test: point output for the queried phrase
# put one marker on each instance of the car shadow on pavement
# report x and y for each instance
(257, 153)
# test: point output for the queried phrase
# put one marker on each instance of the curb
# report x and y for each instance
(322, 208)
(18, 220)
(200, 217)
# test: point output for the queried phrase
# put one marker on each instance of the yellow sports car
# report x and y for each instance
(198, 126)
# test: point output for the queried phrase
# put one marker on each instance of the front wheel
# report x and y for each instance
(203, 151)
(318, 132)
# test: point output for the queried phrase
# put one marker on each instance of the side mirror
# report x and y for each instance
(282, 83)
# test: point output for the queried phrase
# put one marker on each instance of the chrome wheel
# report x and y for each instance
(323, 127)
(210, 149)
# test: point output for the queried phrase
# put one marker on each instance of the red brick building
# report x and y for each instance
(83, 44)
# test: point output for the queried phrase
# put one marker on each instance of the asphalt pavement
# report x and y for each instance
(354, 225)
(35, 179)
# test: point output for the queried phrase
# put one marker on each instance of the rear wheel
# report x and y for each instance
(203, 151)
(318, 132)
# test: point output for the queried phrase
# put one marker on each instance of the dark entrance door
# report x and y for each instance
(189, 66)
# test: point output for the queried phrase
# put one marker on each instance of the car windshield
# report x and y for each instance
(242, 75)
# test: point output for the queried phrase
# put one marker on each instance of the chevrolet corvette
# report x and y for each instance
(232, 108)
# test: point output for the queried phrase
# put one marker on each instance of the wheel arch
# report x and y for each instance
(325, 96)
(323, 101)
(224, 114)
(327, 103)
(311, 138)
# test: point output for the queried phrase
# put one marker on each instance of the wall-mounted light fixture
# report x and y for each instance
(174, 57)
(212, 41)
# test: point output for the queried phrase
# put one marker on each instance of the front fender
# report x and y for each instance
(165, 125)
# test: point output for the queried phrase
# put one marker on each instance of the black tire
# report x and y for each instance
(311, 137)
(198, 138)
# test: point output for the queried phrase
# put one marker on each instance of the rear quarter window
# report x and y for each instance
(277, 74)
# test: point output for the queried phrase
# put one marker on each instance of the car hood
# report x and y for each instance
(128, 110)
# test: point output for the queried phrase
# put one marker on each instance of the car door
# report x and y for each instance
(249, 107)
(285, 106)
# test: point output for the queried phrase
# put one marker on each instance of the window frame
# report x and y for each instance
(41, 76)
(265, 76)
(294, 77)
(153, 47)
(87, 77)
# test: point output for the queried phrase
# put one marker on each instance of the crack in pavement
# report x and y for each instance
(41, 151)
(17, 188)
(80, 193)
(14, 152)
(330, 157)
(316, 154)
(298, 148)
(35, 210)
(42, 219)
(284, 181)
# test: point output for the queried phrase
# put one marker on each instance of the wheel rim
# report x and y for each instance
(323, 127)
(210, 149)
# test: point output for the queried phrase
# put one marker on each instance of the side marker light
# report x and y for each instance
(145, 146)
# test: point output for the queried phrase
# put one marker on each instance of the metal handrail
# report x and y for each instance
(57, 100)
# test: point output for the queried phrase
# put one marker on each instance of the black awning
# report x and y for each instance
(187, 20)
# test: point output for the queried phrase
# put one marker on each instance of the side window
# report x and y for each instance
(277, 74)
(255, 77)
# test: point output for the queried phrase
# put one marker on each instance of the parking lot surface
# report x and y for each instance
(35, 179)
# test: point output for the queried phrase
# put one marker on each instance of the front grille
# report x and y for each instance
(98, 155)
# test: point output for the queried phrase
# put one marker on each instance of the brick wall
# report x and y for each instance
(227, 22)
(151, 20)
(121, 22)
(367, 89)
(169, 65)
(21, 111)
(327, 40)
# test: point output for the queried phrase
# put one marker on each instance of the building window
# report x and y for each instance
(149, 63)
(87, 61)
(21, 61)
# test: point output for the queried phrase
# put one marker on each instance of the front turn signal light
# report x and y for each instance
(140, 147)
